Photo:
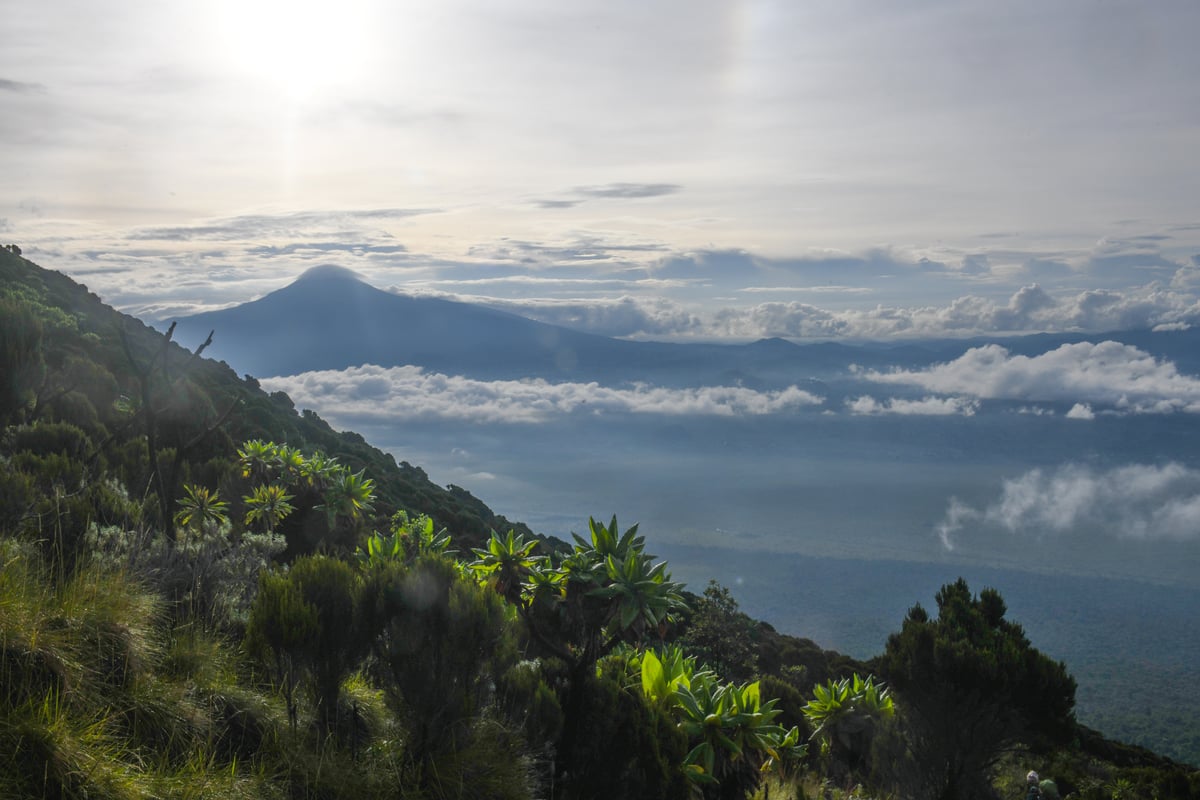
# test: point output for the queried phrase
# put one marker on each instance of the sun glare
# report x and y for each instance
(302, 48)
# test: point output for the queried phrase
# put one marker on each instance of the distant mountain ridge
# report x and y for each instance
(331, 319)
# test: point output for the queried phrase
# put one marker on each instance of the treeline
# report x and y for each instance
(208, 594)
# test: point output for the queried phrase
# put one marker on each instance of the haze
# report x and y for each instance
(665, 170)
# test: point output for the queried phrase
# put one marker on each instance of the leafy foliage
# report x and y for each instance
(506, 564)
(268, 506)
(732, 734)
(845, 713)
(200, 508)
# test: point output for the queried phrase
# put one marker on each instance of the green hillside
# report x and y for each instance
(205, 593)
(81, 371)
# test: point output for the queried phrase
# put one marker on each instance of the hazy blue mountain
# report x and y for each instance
(329, 318)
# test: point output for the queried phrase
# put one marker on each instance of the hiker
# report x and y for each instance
(1032, 790)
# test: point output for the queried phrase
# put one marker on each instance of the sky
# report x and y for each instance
(675, 170)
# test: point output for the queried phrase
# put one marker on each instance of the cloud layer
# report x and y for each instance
(408, 393)
(1106, 374)
(1030, 308)
(1141, 502)
(926, 406)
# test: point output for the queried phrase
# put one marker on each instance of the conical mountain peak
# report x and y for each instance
(330, 272)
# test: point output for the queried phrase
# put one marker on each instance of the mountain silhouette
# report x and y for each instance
(329, 318)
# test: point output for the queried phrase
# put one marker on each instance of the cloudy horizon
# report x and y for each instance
(720, 170)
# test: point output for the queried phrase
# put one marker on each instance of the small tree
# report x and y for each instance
(720, 635)
(971, 685)
(280, 626)
(308, 621)
(607, 591)
(440, 642)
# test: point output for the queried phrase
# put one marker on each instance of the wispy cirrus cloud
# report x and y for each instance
(607, 191)
(411, 393)
(324, 249)
(21, 87)
(576, 251)
(1136, 501)
(628, 191)
(806, 289)
(329, 223)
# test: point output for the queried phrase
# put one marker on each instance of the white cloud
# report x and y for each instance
(624, 316)
(1141, 502)
(931, 406)
(1081, 411)
(806, 289)
(1105, 374)
(406, 393)
(1030, 308)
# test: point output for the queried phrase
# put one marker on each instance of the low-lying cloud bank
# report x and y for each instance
(1141, 502)
(926, 406)
(1030, 308)
(410, 393)
(1105, 374)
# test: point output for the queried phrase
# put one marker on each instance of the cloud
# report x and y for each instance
(833, 268)
(295, 224)
(1029, 308)
(807, 289)
(608, 191)
(321, 249)
(21, 87)
(1081, 411)
(557, 203)
(1140, 502)
(628, 191)
(623, 316)
(579, 250)
(927, 406)
(1087, 374)
(408, 393)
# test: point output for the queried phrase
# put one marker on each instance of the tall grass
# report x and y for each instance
(86, 708)
(105, 696)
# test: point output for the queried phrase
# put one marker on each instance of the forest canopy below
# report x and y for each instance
(210, 593)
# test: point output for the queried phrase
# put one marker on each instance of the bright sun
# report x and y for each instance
(302, 48)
